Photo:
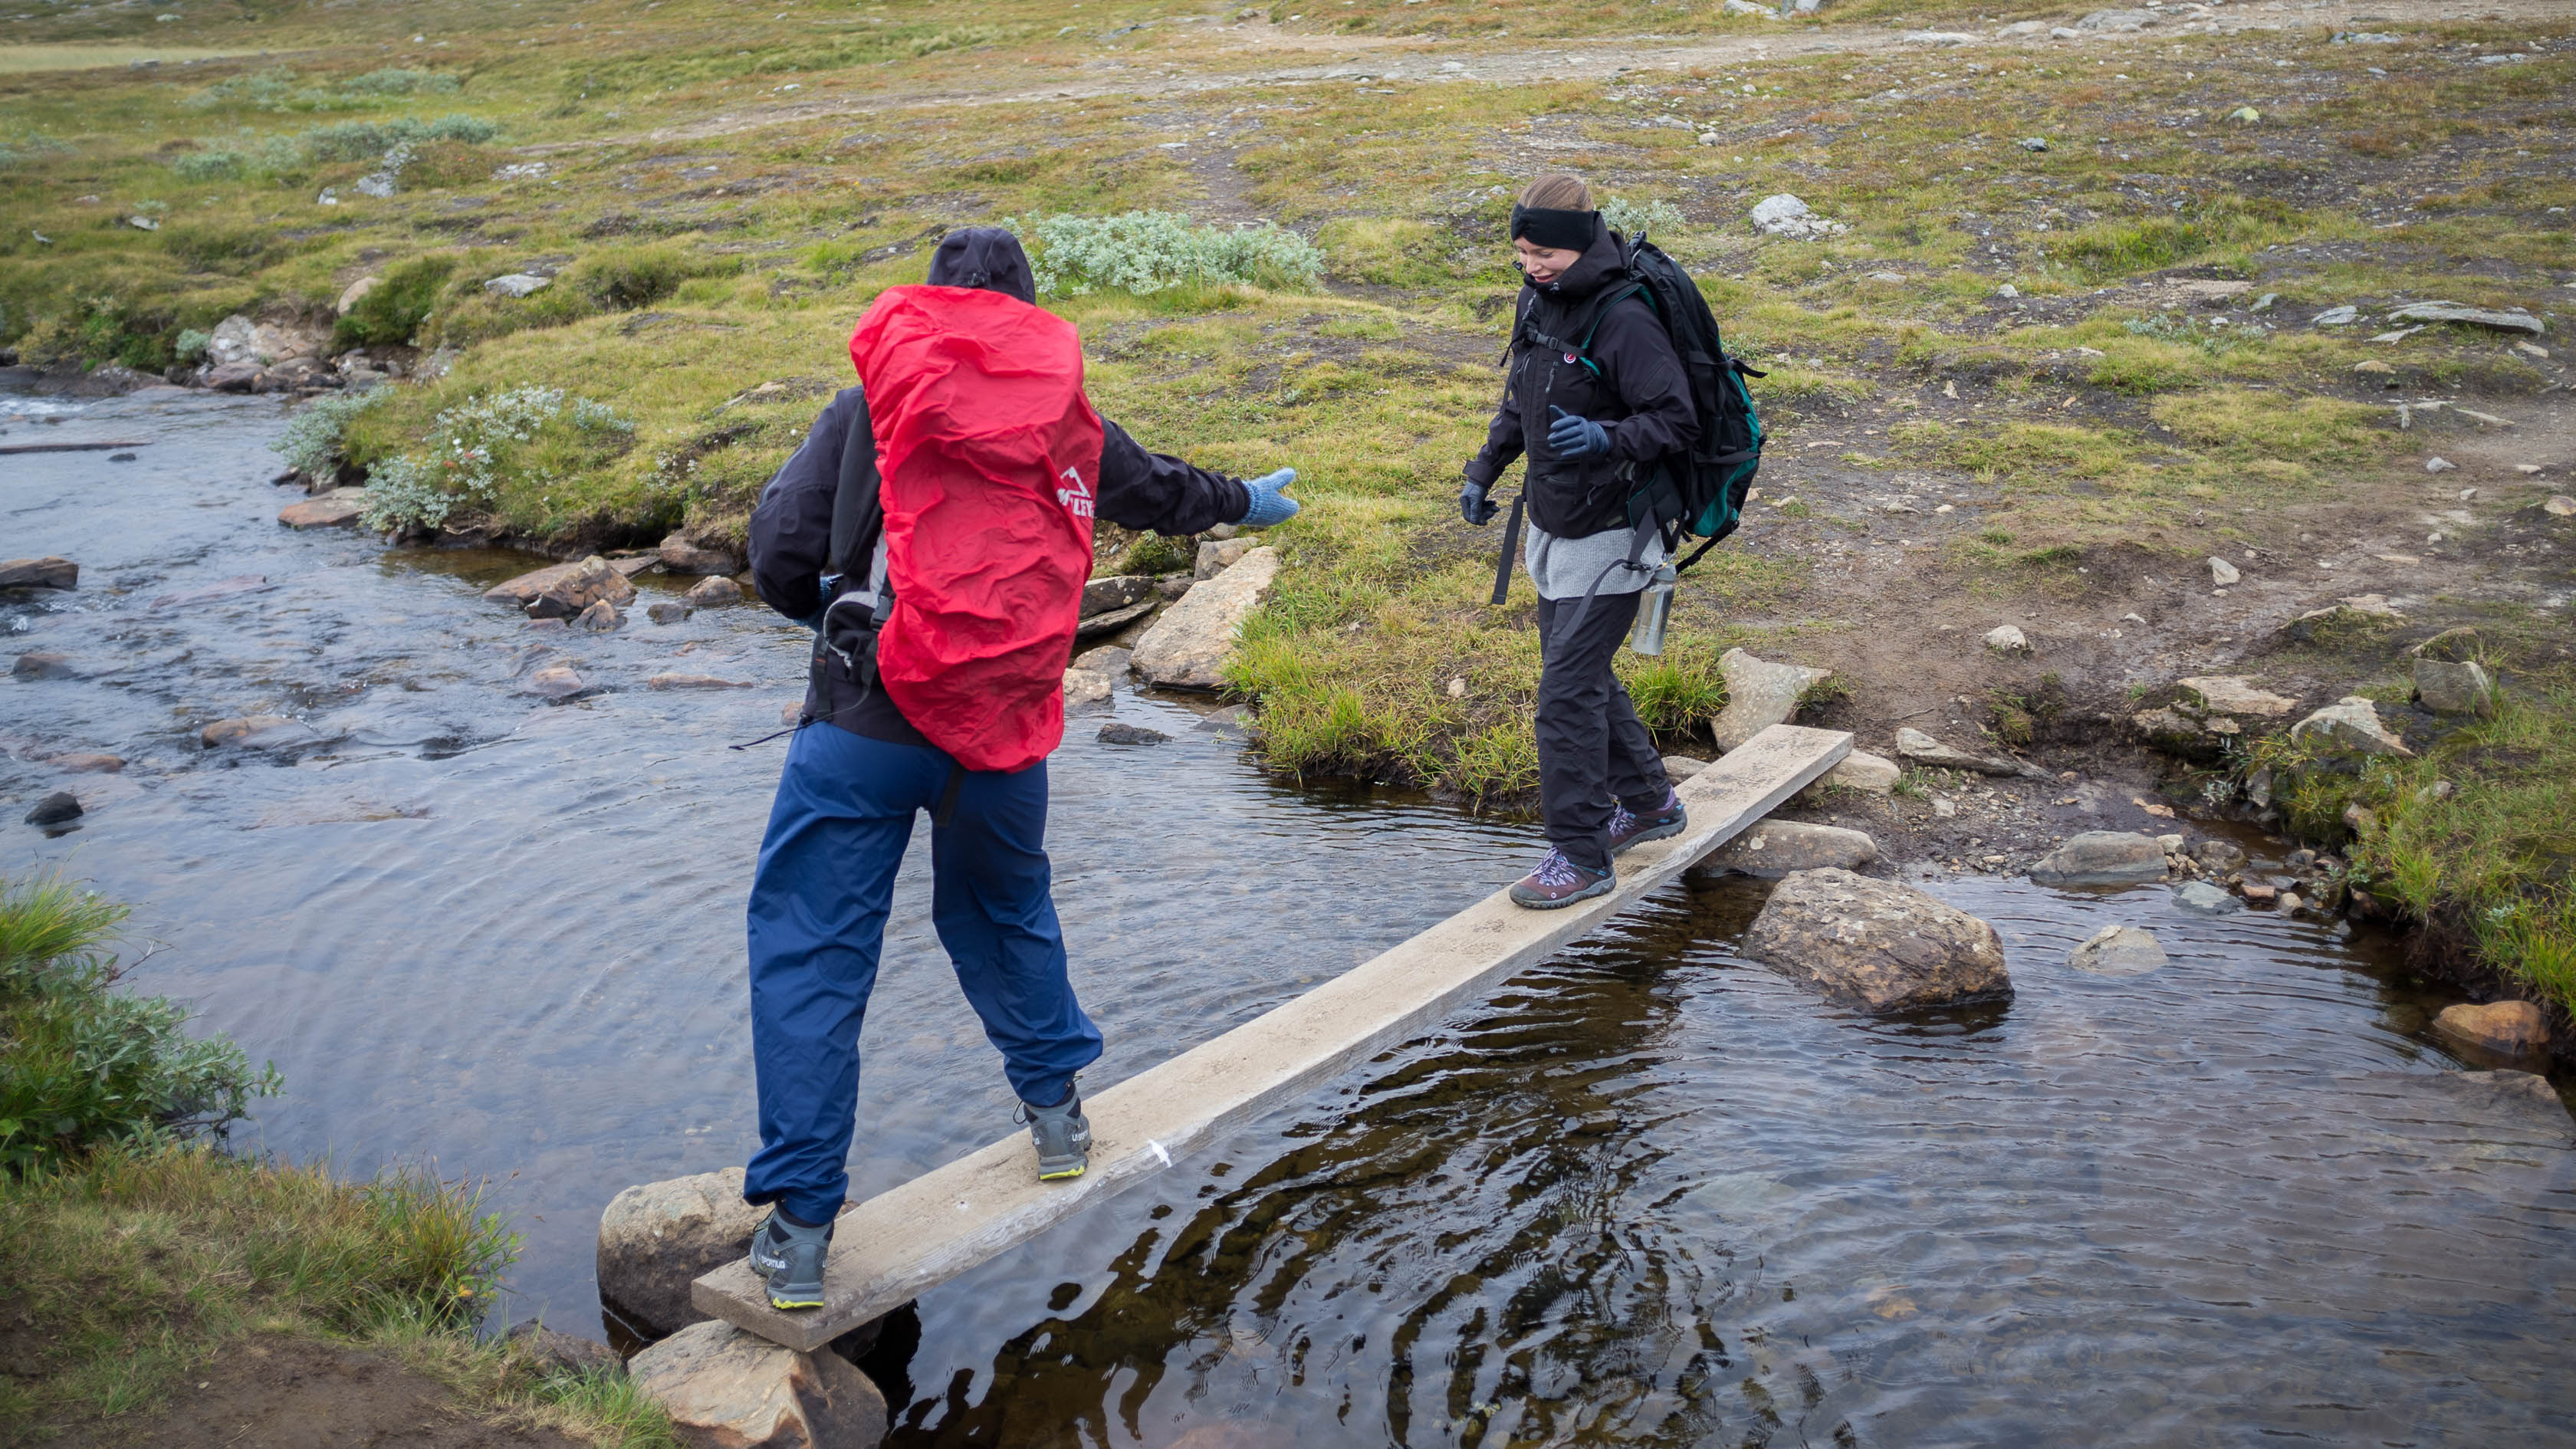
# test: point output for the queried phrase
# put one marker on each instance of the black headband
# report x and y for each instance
(1566, 231)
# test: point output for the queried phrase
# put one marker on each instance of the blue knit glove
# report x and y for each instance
(1574, 437)
(1269, 504)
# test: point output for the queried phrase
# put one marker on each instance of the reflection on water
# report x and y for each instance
(1646, 1194)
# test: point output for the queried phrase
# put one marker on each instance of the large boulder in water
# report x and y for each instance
(727, 1389)
(1876, 946)
(656, 1239)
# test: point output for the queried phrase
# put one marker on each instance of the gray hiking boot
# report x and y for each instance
(1063, 1136)
(792, 1257)
(1628, 828)
(1560, 882)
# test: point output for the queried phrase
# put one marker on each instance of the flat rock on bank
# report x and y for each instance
(727, 1389)
(2102, 857)
(1187, 648)
(656, 1238)
(1777, 847)
(338, 508)
(1876, 946)
(2511, 1027)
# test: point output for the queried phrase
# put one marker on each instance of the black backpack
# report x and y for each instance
(1698, 494)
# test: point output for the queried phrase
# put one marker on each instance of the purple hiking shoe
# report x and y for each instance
(1628, 828)
(1560, 882)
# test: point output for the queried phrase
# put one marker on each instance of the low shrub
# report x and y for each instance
(86, 1064)
(1634, 218)
(393, 310)
(368, 140)
(522, 437)
(1143, 252)
(311, 442)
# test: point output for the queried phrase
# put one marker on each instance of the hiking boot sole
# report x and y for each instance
(1603, 887)
(1063, 1174)
(789, 1302)
(1661, 832)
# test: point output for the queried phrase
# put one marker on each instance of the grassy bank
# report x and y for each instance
(142, 1257)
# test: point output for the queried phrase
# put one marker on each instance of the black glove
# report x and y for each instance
(1474, 506)
(1574, 437)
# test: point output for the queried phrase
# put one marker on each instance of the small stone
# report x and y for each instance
(677, 680)
(712, 591)
(2236, 696)
(2222, 573)
(2360, 819)
(2259, 894)
(518, 284)
(578, 587)
(2351, 724)
(2205, 899)
(668, 611)
(724, 1387)
(355, 293)
(600, 618)
(2289, 903)
(1759, 694)
(88, 764)
(1784, 215)
(2007, 639)
(1116, 733)
(1100, 596)
(1922, 749)
(2032, 143)
(1860, 770)
(2559, 506)
(1108, 659)
(42, 664)
(2102, 857)
(681, 556)
(256, 732)
(2008, 291)
(2219, 856)
(2171, 844)
(2118, 951)
(2373, 365)
(2336, 317)
(2439, 465)
(1083, 686)
(1218, 555)
(2449, 688)
(554, 682)
(49, 572)
(55, 809)
(551, 1352)
(1777, 847)
(2512, 1027)
(1234, 722)
(1458, 688)
(1678, 768)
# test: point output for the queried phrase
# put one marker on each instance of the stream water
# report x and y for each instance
(1649, 1194)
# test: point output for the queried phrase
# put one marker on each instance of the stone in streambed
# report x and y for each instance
(676, 680)
(1189, 645)
(257, 732)
(591, 581)
(1876, 946)
(727, 1389)
(1085, 686)
(1116, 619)
(2101, 857)
(1108, 659)
(1777, 847)
(2202, 898)
(555, 682)
(2512, 1027)
(88, 764)
(49, 572)
(1115, 733)
(600, 618)
(681, 556)
(1759, 694)
(2118, 951)
(2449, 688)
(338, 508)
(41, 664)
(669, 611)
(1102, 595)
(711, 592)
(657, 1238)
(61, 807)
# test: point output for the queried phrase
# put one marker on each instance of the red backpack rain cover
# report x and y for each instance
(990, 455)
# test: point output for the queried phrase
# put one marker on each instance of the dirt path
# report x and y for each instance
(1218, 58)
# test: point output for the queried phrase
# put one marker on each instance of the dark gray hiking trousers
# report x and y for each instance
(1592, 750)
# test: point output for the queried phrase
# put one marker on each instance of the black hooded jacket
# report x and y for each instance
(1635, 388)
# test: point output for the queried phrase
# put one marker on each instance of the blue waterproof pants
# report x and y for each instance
(819, 901)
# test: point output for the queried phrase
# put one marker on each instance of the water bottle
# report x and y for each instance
(1653, 613)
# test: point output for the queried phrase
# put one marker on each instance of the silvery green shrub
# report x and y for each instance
(1144, 252)
(475, 447)
(311, 442)
(1628, 218)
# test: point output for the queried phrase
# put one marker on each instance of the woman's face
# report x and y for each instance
(1542, 264)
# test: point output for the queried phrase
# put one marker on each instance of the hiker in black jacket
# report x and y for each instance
(1595, 398)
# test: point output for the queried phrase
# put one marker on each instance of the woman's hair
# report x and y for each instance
(1557, 191)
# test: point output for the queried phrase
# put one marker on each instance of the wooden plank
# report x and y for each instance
(893, 1247)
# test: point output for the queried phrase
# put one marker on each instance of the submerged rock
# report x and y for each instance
(1759, 694)
(678, 680)
(668, 611)
(2513, 1027)
(2102, 857)
(1116, 733)
(1777, 847)
(257, 732)
(657, 1238)
(1876, 946)
(2202, 898)
(2118, 951)
(43, 664)
(1189, 646)
(728, 1389)
(712, 591)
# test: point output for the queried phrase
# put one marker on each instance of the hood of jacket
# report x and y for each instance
(987, 258)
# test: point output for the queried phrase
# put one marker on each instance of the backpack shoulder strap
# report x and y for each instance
(858, 505)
